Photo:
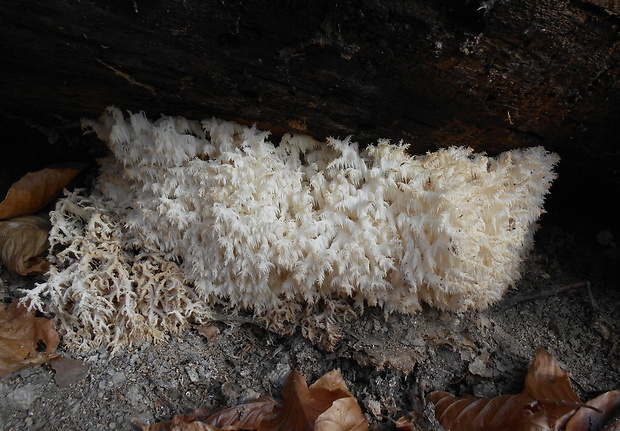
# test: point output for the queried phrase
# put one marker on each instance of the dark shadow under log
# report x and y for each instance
(489, 74)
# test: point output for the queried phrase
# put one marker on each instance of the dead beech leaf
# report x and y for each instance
(245, 416)
(589, 419)
(506, 412)
(327, 405)
(22, 239)
(549, 385)
(302, 405)
(407, 423)
(242, 417)
(546, 403)
(35, 190)
(20, 335)
(344, 414)
(210, 332)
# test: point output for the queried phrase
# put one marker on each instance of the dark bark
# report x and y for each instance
(489, 74)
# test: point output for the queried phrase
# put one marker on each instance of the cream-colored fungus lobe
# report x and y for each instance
(186, 215)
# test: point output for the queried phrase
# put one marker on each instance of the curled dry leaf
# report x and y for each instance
(546, 403)
(35, 190)
(344, 414)
(22, 239)
(548, 385)
(494, 414)
(303, 405)
(407, 423)
(20, 336)
(210, 332)
(605, 406)
(242, 417)
(327, 405)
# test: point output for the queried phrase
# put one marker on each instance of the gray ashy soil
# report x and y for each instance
(388, 364)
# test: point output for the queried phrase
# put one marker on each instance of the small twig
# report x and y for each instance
(594, 304)
(545, 293)
(130, 79)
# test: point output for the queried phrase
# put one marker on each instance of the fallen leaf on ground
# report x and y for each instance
(550, 386)
(210, 332)
(302, 405)
(546, 403)
(492, 414)
(407, 423)
(35, 190)
(244, 416)
(20, 336)
(22, 240)
(68, 371)
(607, 405)
(327, 405)
(344, 414)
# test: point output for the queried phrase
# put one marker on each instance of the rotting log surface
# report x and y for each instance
(493, 75)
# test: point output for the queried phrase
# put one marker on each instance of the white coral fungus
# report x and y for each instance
(188, 215)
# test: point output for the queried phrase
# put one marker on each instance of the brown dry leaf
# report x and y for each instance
(22, 239)
(210, 332)
(506, 412)
(20, 335)
(407, 423)
(344, 414)
(550, 386)
(245, 416)
(589, 419)
(326, 405)
(35, 190)
(546, 403)
(302, 405)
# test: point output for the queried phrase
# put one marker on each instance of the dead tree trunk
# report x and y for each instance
(491, 74)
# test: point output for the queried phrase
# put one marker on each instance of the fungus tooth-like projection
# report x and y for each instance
(186, 215)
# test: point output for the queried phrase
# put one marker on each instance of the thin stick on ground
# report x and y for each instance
(545, 293)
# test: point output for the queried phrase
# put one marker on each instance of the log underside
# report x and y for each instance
(492, 74)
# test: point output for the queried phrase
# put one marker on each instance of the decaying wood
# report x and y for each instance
(491, 74)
